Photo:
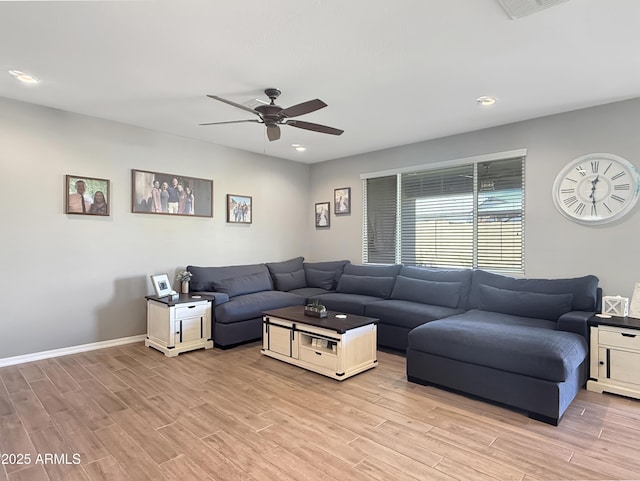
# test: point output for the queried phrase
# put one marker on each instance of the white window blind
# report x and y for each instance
(469, 215)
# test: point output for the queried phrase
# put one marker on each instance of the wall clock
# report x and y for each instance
(596, 189)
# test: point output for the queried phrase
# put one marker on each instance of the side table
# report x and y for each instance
(176, 326)
(615, 356)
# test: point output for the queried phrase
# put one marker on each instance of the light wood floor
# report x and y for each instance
(130, 413)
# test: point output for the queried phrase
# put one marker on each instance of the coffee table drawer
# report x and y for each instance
(321, 359)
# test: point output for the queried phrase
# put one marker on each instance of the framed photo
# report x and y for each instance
(239, 209)
(322, 214)
(161, 285)
(86, 195)
(171, 194)
(342, 201)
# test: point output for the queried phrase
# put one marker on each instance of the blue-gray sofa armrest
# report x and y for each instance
(217, 298)
(575, 321)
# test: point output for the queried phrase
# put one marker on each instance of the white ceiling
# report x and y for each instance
(391, 72)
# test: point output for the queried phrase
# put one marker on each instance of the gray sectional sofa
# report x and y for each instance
(519, 342)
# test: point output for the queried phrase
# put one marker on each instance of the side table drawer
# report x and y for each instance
(624, 338)
(191, 310)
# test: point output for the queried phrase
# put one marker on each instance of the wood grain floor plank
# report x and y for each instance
(71, 365)
(6, 405)
(104, 398)
(57, 456)
(203, 455)
(108, 378)
(51, 399)
(60, 378)
(155, 412)
(14, 440)
(13, 379)
(82, 440)
(183, 469)
(130, 455)
(145, 387)
(106, 469)
(30, 411)
(159, 448)
(31, 473)
(31, 372)
(84, 409)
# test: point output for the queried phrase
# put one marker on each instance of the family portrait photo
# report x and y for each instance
(239, 209)
(342, 200)
(86, 195)
(171, 194)
(322, 214)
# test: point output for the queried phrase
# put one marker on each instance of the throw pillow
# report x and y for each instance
(446, 294)
(366, 285)
(288, 281)
(292, 265)
(237, 286)
(525, 304)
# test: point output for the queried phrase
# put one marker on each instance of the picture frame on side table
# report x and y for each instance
(170, 194)
(239, 209)
(86, 195)
(161, 285)
(634, 307)
(322, 214)
(342, 201)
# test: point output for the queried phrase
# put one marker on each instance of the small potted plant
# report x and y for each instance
(315, 309)
(184, 277)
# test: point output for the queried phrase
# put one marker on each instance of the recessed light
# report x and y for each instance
(300, 148)
(24, 77)
(486, 101)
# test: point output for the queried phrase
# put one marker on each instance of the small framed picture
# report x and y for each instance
(322, 214)
(239, 209)
(161, 285)
(342, 201)
(86, 195)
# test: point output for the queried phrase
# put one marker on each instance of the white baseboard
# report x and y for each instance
(65, 351)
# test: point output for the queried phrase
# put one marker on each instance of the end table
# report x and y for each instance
(176, 326)
(615, 355)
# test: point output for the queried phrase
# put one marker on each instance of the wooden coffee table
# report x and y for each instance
(335, 346)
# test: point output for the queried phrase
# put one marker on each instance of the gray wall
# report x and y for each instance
(554, 246)
(68, 279)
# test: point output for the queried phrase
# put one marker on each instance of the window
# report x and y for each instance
(466, 215)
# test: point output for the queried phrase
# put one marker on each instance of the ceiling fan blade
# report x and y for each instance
(315, 127)
(232, 122)
(273, 132)
(303, 108)
(234, 104)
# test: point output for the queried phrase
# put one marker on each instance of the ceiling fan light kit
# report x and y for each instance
(273, 116)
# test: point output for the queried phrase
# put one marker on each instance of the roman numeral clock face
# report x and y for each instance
(596, 189)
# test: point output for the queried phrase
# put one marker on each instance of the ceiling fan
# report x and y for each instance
(272, 115)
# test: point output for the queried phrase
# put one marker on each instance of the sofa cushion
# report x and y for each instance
(584, 289)
(203, 277)
(445, 294)
(406, 314)
(321, 279)
(350, 303)
(526, 304)
(237, 286)
(291, 265)
(287, 281)
(366, 285)
(372, 270)
(309, 292)
(503, 342)
(315, 279)
(463, 276)
(251, 306)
